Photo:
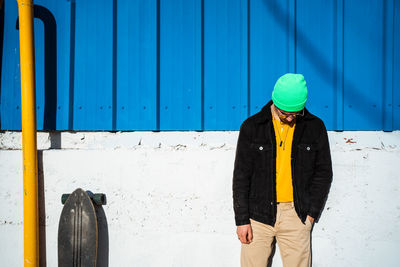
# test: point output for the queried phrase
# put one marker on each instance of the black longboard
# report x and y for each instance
(77, 231)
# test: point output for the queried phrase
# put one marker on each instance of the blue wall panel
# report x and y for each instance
(136, 72)
(52, 61)
(10, 73)
(272, 41)
(52, 66)
(55, 18)
(93, 66)
(40, 70)
(203, 64)
(180, 65)
(315, 55)
(363, 72)
(225, 64)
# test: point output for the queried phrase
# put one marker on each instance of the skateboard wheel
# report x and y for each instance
(99, 199)
(64, 198)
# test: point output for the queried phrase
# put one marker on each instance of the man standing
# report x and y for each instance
(281, 178)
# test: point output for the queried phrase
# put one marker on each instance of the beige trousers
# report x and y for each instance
(292, 236)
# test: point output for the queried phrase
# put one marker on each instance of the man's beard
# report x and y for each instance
(291, 123)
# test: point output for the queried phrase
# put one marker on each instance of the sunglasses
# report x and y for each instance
(284, 114)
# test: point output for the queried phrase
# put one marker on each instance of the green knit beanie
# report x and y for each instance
(290, 92)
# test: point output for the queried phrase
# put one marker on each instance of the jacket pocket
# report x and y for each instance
(306, 154)
(305, 166)
(261, 153)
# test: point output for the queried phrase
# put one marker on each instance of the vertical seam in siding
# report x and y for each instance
(392, 81)
(339, 70)
(114, 66)
(202, 66)
(158, 67)
(295, 36)
(387, 66)
(72, 66)
(291, 35)
(248, 59)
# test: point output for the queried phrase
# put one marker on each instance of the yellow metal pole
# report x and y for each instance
(29, 146)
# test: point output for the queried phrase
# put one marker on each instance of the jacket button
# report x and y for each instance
(272, 203)
(308, 148)
(261, 148)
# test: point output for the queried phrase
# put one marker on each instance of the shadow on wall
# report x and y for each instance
(50, 65)
(42, 211)
(55, 139)
(102, 250)
(314, 55)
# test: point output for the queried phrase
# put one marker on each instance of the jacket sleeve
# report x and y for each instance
(241, 176)
(322, 177)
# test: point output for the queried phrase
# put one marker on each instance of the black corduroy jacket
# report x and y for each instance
(254, 175)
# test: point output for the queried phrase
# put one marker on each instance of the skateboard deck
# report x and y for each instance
(77, 232)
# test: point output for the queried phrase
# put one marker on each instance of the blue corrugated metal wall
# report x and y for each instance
(204, 64)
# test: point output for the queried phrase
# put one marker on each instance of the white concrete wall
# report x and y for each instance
(170, 204)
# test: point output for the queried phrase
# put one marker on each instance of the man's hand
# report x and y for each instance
(311, 219)
(245, 233)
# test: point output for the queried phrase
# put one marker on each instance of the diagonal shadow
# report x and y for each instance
(314, 55)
